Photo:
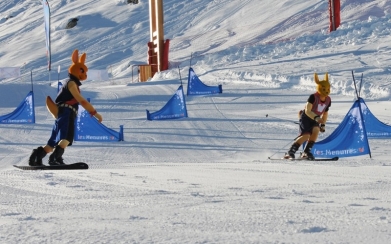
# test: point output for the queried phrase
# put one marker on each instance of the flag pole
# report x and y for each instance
(361, 114)
(355, 86)
(58, 78)
(31, 79)
(180, 77)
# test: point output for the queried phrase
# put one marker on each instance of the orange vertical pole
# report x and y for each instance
(156, 20)
(160, 33)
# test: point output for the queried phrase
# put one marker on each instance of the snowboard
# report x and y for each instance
(74, 166)
(304, 159)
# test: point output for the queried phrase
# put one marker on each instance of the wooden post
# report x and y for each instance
(144, 72)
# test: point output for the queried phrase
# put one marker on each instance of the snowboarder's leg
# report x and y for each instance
(36, 156)
(56, 157)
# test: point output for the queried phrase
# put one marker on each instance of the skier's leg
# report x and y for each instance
(295, 146)
(292, 150)
(311, 141)
(307, 151)
(315, 133)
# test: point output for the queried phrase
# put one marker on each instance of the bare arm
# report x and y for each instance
(325, 116)
(312, 115)
(83, 102)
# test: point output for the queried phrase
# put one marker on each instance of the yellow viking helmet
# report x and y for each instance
(323, 86)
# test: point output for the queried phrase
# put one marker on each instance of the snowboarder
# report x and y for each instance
(312, 119)
(65, 112)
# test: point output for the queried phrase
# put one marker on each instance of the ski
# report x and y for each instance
(74, 166)
(304, 159)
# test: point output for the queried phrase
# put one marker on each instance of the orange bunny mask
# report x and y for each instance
(78, 68)
(323, 86)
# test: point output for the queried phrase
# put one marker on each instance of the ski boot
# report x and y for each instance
(307, 151)
(36, 156)
(56, 157)
(291, 153)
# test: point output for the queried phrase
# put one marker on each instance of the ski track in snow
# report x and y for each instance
(237, 206)
(205, 178)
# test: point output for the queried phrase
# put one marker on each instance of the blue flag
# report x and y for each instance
(375, 128)
(349, 139)
(46, 14)
(196, 87)
(175, 108)
(88, 128)
(59, 86)
(23, 114)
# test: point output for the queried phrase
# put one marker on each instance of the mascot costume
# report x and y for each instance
(312, 119)
(64, 110)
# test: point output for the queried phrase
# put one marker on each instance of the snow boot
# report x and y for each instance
(307, 151)
(36, 156)
(56, 157)
(291, 153)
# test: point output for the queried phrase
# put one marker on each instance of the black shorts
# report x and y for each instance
(307, 124)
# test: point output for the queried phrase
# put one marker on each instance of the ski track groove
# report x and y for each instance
(138, 195)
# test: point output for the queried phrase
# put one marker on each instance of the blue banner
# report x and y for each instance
(175, 108)
(349, 139)
(88, 128)
(196, 87)
(46, 14)
(23, 114)
(375, 128)
(59, 86)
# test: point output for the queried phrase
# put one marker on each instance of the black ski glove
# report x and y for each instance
(322, 128)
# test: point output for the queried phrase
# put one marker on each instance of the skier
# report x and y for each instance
(65, 112)
(312, 119)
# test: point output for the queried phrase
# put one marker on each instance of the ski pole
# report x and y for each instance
(283, 147)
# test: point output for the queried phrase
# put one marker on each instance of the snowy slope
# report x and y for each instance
(206, 178)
